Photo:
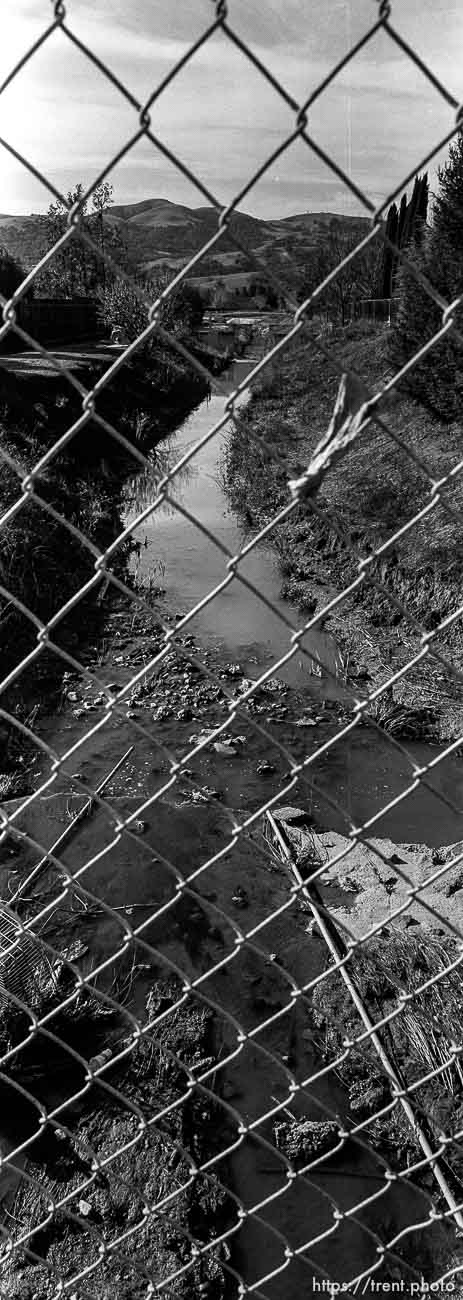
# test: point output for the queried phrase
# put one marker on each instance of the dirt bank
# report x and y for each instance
(81, 483)
(375, 491)
(229, 1054)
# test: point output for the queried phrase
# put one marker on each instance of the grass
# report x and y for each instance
(364, 501)
(42, 564)
(421, 1039)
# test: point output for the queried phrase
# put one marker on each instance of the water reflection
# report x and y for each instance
(142, 488)
(186, 554)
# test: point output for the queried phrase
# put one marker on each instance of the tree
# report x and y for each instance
(11, 274)
(358, 279)
(187, 309)
(77, 269)
(123, 309)
(402, 219)
(438, 255)
(102, 199)
(392, 228)
(402, 228)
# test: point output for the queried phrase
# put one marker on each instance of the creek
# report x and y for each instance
(180, 549)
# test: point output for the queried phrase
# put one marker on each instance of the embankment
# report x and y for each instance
(43, 564)
(376, 490)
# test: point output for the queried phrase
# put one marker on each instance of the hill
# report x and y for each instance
(158, 233)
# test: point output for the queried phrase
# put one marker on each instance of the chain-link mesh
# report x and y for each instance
(173, 1122)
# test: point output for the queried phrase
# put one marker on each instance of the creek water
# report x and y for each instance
(180, 553)
(190, 564)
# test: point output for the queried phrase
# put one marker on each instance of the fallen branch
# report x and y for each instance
(68, 833)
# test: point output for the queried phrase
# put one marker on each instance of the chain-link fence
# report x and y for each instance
(223, 1071)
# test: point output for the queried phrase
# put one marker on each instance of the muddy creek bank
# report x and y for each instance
(165, 715)
(363, 771)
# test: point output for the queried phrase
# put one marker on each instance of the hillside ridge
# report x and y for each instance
(157, 228)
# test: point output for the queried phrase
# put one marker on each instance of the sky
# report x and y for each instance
(219, 115)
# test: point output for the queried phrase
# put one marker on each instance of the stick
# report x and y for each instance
(67, 834)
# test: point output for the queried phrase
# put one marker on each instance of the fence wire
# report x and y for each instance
(181, 1144)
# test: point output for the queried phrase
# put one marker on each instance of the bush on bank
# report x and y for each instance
(372, 493)
(42, 564)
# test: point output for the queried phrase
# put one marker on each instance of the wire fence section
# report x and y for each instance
(217, 1081)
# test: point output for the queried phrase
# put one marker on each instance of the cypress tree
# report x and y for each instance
(388, 261)
(410, 215)
(421, 214)
(424, 198)
(402, 219)
(440, 257)
(448, 203)
(401, 227)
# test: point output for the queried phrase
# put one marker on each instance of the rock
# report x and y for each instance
(306, 722)
(240, 898)
(306, 1139)
(84, 1208)
(274, 684)
(138, 827)
(454, 886)
(226, 751)
(389, 883)
(349, 885)
(232, 670)
(264, 768)
(437, 857)
(295, 816)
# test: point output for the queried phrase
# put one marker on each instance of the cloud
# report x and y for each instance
(377, 119)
